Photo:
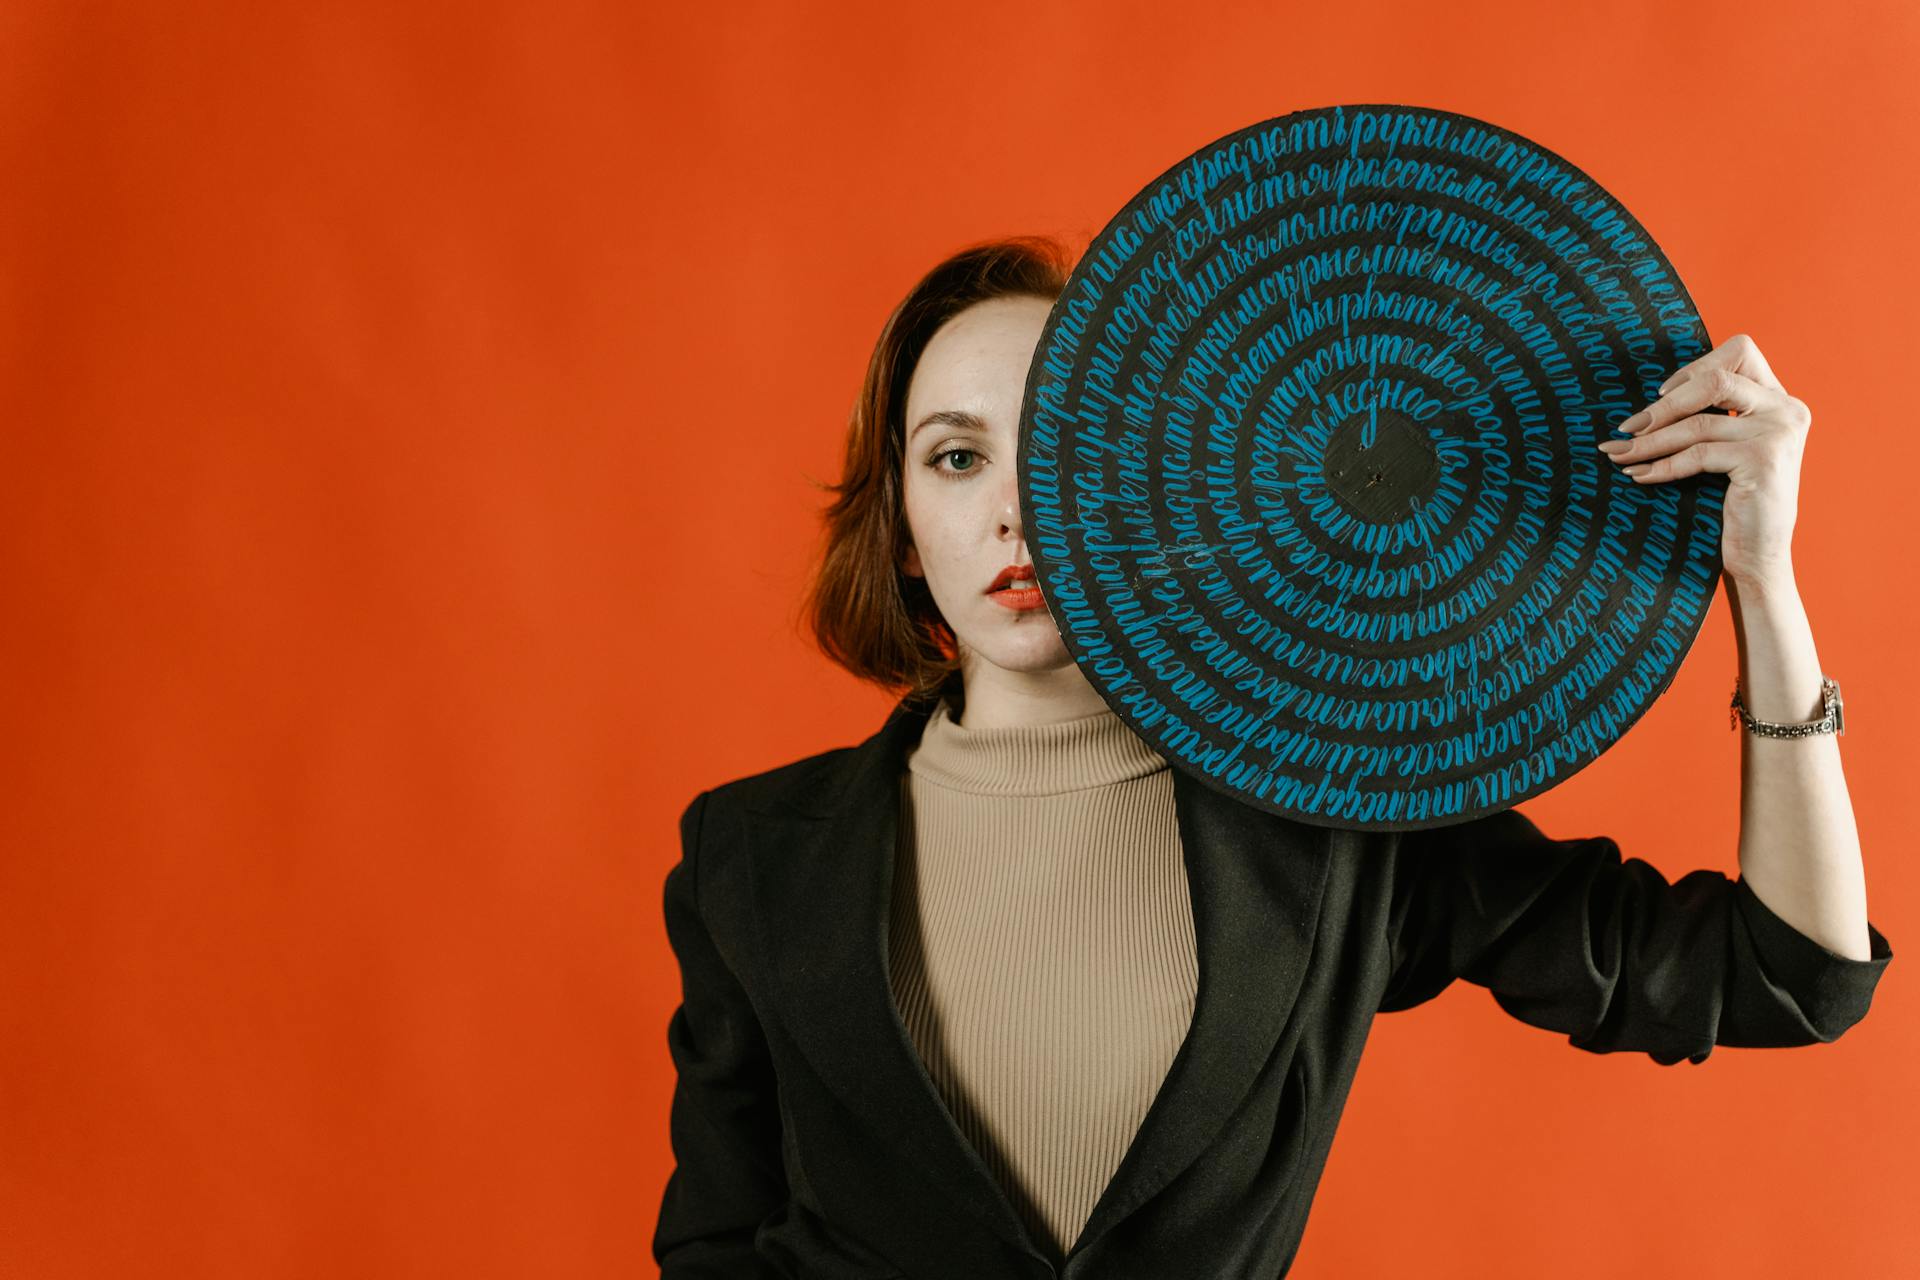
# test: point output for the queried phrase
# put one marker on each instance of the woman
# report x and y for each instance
(999, 993)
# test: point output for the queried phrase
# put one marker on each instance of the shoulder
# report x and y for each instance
(781, 786)
(721, 830)
(813, 785)
(794, 785)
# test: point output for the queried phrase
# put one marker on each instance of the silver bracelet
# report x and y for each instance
(1833, 721)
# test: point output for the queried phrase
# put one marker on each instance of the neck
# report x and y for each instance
(1093, 750)
(993, 698)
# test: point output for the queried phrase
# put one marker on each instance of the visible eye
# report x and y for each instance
(962, 452)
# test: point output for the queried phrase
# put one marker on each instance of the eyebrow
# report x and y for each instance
(950, 418)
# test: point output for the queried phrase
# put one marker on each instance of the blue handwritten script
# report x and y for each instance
(1308, 468)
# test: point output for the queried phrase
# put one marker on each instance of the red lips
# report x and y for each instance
(1012, 573)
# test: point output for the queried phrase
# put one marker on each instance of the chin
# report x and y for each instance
(1040, 653)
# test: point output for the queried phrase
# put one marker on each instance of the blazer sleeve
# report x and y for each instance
(1569, 937)
(725, 1127)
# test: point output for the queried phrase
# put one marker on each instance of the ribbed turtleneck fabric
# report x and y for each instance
(1041, 946)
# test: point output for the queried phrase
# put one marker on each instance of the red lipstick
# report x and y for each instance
(1022, 597)
(1012, 573)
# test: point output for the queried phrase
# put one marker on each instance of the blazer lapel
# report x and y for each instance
(1257, 880)
(823, 860)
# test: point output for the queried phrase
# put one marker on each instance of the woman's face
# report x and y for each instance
(962, 488)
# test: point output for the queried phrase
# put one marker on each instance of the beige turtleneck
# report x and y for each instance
(1041, 946)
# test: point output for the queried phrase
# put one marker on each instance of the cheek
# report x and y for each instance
(932, 522)
(925, 532)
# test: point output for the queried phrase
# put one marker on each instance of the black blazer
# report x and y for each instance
(811, 1142)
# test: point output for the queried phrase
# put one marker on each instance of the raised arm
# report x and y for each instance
(1798, 846)
(725, 1122)
(1567, 935)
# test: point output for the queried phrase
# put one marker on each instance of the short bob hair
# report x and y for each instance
(865, 613)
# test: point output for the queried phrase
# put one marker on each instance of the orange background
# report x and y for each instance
(408, 415)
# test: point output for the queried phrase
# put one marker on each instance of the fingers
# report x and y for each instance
(1707, 388)
(1706, 455)
(1682, 434)
(1738, 354)
(1704, 441)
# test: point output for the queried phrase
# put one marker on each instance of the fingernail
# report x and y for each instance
(1616, 446)
(1636, 469)
(1634, 423)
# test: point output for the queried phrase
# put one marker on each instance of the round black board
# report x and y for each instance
(1308, 467)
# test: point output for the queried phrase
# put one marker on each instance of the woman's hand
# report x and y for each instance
(1759, 450)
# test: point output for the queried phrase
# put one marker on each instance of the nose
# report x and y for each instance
(1010, 525)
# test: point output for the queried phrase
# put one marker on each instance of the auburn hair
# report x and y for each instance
(864, 611)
